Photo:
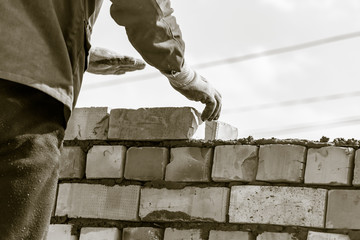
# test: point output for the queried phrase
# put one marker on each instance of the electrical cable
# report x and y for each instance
(292, 102)
(231, 60)
(354, 120)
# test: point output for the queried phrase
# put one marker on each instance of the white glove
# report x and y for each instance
(197, 88)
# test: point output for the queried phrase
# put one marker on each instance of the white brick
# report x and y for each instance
(59, 232)
(326, 236)
(216, 130)
(281, 163)
(142, 233)
(98, 233)
(88, 123)
(295, 206)
(153, 123)
(105, 162)
(72, 163)
(184, 234)
(189, 164)
(329, 165)
(146, 163)
(229, 235)
(276, 236)
(98, 201)
(235, 163)
(343, 209)
(356, 180)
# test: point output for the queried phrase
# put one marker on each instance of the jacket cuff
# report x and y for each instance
(182, 78)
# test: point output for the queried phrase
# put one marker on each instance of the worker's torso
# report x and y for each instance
(44, 43)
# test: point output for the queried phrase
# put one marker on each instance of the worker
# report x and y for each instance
(44, 49)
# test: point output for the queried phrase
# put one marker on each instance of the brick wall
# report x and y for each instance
(138, 174)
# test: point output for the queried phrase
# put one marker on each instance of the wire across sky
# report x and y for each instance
(231, 60)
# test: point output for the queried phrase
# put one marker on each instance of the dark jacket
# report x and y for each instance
(44, 43)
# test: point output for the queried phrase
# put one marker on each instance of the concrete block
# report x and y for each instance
(326, 236)
(235, 163)
(97, 233)
(329, 165)
(153, 123)
(105, 162)
(189, 164)
(229, 235)
(88, 123)
(276, 236)
(59, 232)
(216, 130)
(187, 204)
(72, 163)
(98, 201)
(343, 209)
(356, 180)
(142, 233)
(185, 234)
(296, 206)
(281, 163)
(146, 163)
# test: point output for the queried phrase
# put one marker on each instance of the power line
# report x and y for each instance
(231, 60)
(354, 120)
(281, 50)
(288, 103)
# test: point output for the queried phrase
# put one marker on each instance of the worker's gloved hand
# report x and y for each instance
(196, 88)
(107, 62)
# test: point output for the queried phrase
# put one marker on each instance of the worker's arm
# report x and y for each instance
(154, 33)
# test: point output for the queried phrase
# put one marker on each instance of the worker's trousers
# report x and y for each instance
(31, 134)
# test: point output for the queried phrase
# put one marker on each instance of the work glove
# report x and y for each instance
(107, 62)
(195, 87)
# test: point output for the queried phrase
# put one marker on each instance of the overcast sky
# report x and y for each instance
(293, 85)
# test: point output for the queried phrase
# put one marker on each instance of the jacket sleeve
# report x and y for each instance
(153, 31)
